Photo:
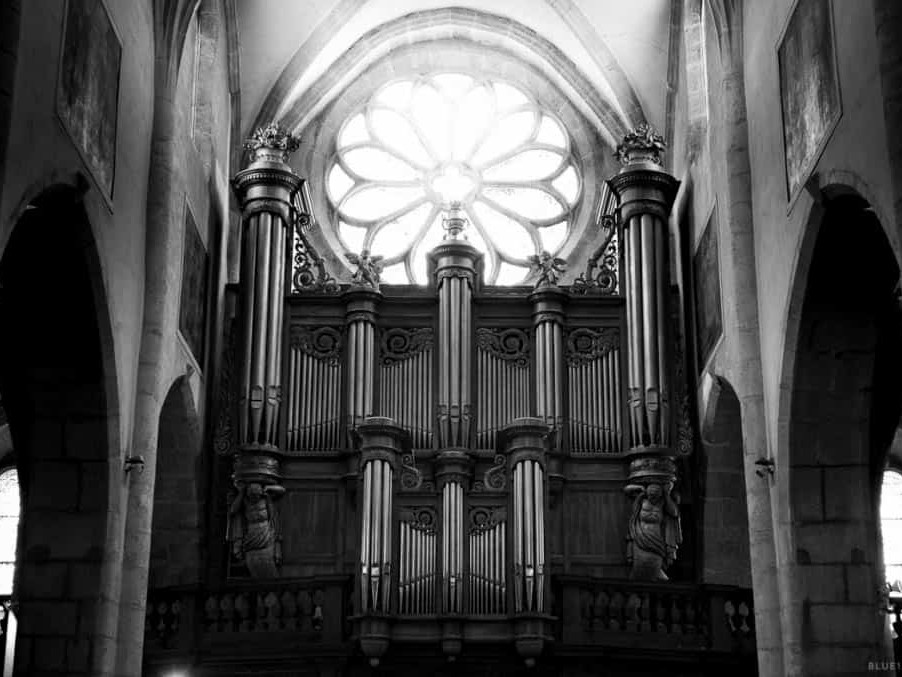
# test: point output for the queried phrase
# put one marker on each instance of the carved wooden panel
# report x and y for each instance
(314, 388)
(503, 381)
(309, 523)
(595, 521)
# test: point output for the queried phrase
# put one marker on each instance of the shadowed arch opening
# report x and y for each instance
(724, 521)
(845, 402)
(54, 387)
(175, 550)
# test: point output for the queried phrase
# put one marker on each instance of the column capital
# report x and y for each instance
(525, 438)
(642, 185)
(268, 182)
(381, 437)
(548, 304)
(361, 303)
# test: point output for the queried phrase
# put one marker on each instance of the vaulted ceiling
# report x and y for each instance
(618, 51)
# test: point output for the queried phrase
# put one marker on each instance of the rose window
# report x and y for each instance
(420, 144)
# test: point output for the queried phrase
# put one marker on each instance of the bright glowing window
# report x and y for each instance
(419, 144)
(891, 526)
(9, 527)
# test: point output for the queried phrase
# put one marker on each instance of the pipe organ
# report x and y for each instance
(454, 448)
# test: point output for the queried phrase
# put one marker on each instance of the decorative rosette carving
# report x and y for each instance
(323, 343)
(585, 345)
(400, 344)
(510, 345)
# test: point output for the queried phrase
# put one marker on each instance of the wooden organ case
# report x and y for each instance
(461, 472)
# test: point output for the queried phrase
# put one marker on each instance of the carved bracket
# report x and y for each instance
(310, 268)
(495, 478)
(601, 275)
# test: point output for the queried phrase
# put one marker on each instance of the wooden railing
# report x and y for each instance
(191, 625)
(660, 616)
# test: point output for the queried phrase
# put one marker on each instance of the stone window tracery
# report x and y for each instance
(422, 142)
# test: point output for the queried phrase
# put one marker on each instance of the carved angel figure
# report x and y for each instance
(369, 268)
(550, 269)
(254, 530)
(654, 531)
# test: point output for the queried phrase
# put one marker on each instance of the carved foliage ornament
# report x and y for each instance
(642, 144)
(495, 478)
(310, 269)
(401, 344)
(484, 518)
(274, 137)
(510, 345)
(323, 343)
(585, 345)
(424, 518)
(602, 267)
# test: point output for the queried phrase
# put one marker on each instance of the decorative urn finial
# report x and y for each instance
(454, 222)
(272, 142)
(642, 145)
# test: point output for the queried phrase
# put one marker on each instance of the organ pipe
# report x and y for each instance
(380, 449)
(595, 392)
(646, 194)
(360, 318)
(266, 190)
(314, 389)
(548, 318)
(525, 441)
(455, 262)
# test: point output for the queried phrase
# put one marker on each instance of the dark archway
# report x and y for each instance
(725, 526)
(54, 391)
(845, 405)
(175, 551)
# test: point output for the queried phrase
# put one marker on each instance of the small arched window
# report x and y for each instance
(891, 526)
(9, 527)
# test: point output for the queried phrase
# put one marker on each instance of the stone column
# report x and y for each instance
(646, 195)
(266, 191)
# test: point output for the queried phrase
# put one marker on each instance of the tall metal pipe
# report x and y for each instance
(646, 194)
(548, 317)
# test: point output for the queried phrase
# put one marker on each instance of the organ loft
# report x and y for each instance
(421, 443)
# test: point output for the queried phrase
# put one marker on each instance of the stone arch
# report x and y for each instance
(57, 381)
(724, 518)
(464, 24)
(839, 412)
(176, 554)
